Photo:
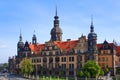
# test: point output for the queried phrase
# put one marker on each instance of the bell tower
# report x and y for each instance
(56, 32)
(92, 44)
(20, 45)
(92, 39)
(34, 38)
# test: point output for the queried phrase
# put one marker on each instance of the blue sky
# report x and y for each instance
(38, 15)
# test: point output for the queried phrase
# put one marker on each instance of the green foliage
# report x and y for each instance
(92, 69)
(1, 68)
(5, 65)
(61, 73)
(118, 71)
(114, 77)
(101, 72)
(106, 70)
(80, 73)
(26, 66)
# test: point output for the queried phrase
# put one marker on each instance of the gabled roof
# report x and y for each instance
(67, 45)
(36, 47)
(118, 50)
(100, 45)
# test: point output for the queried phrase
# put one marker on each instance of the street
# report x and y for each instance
(7, 76)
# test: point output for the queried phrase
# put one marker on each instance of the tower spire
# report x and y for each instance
(56, 8)
(56, 32)
(91, 27)
(34, 32)
(91, 19)
(34, 38)
(20, 38)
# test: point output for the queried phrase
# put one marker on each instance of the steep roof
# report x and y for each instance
(66, 45)
(36, 47)
(99, 45)
(118, 50)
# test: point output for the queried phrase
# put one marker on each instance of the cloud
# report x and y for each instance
(3, 46)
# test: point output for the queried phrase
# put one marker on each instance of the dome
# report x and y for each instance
(92, 34)
(56, 30)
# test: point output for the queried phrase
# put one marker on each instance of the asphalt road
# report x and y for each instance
(7, 76)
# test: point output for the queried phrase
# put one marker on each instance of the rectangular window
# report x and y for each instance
(56, 65)
(71, 59)
(103, 59)
(71, 66)
(63, 59)
(71, 72)
(63, 66)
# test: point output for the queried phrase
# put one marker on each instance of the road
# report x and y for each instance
(7, 76)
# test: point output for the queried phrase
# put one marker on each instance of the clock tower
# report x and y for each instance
(92, 43)
(20, 45)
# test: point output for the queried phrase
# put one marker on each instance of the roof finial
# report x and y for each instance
(56, 9)
(20, 38)
(91, 19)
(20, 32)
(34, 31)
(91, 27)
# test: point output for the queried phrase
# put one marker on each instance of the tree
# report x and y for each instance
(101, 73)
(5, 65)
(26, 66)
(80, 73)
(61, 73)
(118, 71)
(91, 69)
(106, 70)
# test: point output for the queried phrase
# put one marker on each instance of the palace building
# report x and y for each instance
(56, 56)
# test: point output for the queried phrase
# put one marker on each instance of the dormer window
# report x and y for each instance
(105, 46)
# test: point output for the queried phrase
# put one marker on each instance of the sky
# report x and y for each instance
(38, 15)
